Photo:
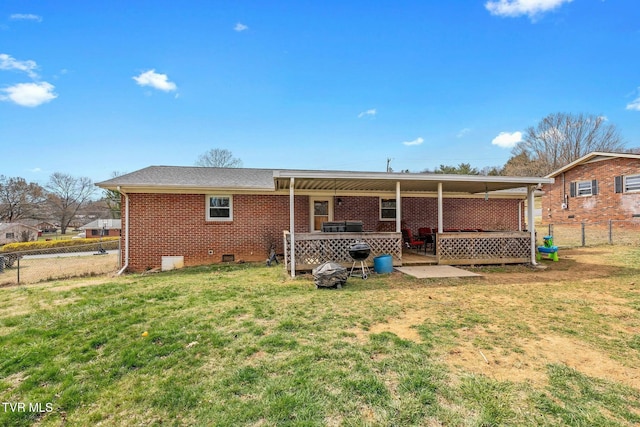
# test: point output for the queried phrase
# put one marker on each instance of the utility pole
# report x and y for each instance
(388, 164)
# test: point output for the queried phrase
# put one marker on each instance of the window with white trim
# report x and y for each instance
(631, 183)
(584, 188)
(219, 208)
(387, 209)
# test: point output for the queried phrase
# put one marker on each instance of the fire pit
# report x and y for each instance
(360, 251)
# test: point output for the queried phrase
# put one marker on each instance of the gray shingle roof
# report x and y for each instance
(200, 179)
(194, 177)
(108, 224)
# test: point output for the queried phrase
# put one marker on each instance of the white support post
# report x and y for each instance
(440, 222)
(292, 222)
(398, 208)
(520, 204)
(531, 222)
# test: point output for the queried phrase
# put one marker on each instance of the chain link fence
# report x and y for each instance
(612, 232)
(33, 266)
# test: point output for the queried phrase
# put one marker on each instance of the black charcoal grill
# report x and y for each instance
(359, 252)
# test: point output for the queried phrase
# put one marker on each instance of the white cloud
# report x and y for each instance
(25, 17)
(463, 132)
(7, 62)
(635, 104)
(155, 80)
(28, 94)
(372, 112)
(507, 140)
(240, 27)
(514, 8)
(416, 141)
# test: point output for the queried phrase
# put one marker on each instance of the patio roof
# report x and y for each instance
(183, 179)
(409, 182)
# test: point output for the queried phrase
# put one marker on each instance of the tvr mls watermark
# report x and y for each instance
(27, 407)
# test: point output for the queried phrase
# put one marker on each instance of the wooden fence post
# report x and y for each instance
(583, 232)
(611, 232)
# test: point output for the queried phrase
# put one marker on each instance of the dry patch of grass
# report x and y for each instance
(35, 270)
(506, 325)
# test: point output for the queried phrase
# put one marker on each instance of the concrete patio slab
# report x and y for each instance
(434, 271)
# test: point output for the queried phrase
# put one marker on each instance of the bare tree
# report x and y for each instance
(522, 165)
(67, 195)
(561, 138)
(219, 158)
(113, 199)
(19, 199)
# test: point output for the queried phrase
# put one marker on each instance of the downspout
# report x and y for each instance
(126, 232)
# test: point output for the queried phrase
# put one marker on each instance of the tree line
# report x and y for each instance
(59, 200)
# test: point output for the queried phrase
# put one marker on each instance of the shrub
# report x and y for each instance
(30, 246)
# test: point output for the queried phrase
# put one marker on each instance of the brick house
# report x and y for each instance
(102, 228)
(209, 215)
(595, 188)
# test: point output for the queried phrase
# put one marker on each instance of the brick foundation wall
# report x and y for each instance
(606, 205)
(175, 224)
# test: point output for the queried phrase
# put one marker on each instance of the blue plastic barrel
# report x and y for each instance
(383, 264)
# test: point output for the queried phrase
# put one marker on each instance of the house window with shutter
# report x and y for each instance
(627, 184)
(583, 188)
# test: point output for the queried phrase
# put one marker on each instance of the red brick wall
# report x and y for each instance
(606, 205)
(492, 214)
(109, 233)
(175, 224)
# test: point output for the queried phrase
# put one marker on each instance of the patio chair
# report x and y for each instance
(426, 234)
(409, 241)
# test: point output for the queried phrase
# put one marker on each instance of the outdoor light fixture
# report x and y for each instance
(486, 193)
(339, 201)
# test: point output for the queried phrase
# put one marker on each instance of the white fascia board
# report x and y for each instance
(411, 177)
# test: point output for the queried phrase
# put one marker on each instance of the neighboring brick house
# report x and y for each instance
(595, 188)
(208, 215)
(102, 228)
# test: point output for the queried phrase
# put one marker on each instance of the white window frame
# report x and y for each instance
(586, 190)
(207, 203)
(395, 209)
(636, 184)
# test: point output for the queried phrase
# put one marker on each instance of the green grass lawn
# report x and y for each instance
(246, 345)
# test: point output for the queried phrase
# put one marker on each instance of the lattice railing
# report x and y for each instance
(313, 249)
(483, 248)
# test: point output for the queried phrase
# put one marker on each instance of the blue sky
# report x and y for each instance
(92, 87)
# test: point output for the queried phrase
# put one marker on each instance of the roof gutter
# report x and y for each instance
(126, 232)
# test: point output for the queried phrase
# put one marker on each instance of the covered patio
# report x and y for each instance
(305, 250)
